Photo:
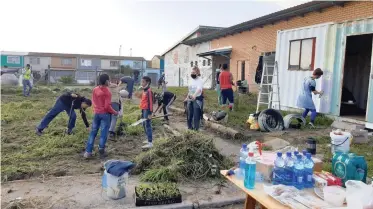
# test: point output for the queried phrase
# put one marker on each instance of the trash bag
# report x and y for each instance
(220, 115)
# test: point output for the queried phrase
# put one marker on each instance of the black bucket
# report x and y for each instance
(311, 145)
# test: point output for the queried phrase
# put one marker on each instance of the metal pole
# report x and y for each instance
(49, 75)
(120, 50)
(96, 76)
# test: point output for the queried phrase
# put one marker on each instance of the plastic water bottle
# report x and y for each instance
(250, 171)
(278, 170)
(304, 155)
(289, 170)
(308, 171)
(299, 173)
(295, 155)
(243, 155)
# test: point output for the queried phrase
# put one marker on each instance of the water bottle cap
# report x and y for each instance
(308, 155)
(299, 156)
(244, 146)
(279, 154)
(288, 154)
(304, 152)
(296, 153)
(251, 154)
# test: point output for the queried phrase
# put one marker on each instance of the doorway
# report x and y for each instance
(356, 76)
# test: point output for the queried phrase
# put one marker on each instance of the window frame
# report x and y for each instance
(114, 61)
(136, 64)
(12, 56)
(64, 64)
(313, 52)
(83, 62)
(32, 59)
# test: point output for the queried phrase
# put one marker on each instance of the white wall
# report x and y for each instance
(179, 60)
(43, 65)
(291, 81)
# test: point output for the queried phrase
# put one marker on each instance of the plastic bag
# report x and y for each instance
(359, 195)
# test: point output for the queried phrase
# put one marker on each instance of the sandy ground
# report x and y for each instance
(86, 192)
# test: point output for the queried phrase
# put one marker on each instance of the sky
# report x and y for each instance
(101, 26)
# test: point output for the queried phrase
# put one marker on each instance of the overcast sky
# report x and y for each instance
(101, 26)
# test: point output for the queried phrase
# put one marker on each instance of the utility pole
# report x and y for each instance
(130, 52)
(120, 50)
(49, 75)
(96, 76)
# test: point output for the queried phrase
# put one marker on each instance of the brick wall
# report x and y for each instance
(249, 45)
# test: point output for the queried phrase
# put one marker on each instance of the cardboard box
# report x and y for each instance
(264, 164)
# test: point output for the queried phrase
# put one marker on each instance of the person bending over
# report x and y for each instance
(165, 100)
(67, 102)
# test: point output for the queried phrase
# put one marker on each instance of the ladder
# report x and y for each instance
(267, 86)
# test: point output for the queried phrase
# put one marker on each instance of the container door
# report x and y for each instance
(370, 95)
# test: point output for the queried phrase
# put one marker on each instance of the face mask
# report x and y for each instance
(193, 76)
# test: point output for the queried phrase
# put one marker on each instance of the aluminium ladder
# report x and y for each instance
(267, 86)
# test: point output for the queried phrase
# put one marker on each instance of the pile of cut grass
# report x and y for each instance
(191, 156)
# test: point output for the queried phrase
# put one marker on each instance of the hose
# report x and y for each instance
(288, 118)
(270, 120)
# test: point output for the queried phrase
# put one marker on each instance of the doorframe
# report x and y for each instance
(343, 70)
(370, 85)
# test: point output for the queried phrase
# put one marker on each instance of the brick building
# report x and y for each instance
(250, 39)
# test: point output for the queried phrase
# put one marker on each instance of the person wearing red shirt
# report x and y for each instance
(101, 98)
(226, 83)
(146, 106)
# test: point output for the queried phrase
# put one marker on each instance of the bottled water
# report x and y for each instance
(289, 169)
(243, 155)
(299, 173)
(250, 171)
(308, 171)
(295, 155)
(278, 170)
(304, 153)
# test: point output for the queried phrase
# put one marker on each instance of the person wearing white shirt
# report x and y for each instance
(194, 100)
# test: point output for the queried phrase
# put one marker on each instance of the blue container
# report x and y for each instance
(289, 170)
(278, 170)
(308, 171)
(299, 173)
(349, 167)
(250, 172)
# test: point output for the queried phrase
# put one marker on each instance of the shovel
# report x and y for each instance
(145, 119)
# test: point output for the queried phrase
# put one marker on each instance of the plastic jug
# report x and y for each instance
(349, 167)
(359, 195)
(340, 141)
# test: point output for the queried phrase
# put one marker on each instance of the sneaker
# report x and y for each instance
(145, 142)
(147, 146)
(311, 125)
(69, 132)
(38, 132)
(102, 153)
(87, 155)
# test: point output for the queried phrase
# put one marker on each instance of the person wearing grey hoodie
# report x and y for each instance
(116, 104)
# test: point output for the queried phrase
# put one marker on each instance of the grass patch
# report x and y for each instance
(190, 156)
(24, 154)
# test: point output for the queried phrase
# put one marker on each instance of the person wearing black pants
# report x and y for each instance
(165, 100)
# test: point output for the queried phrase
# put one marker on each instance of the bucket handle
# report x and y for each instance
(340, 143)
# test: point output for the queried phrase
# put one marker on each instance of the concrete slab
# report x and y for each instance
(275, 143)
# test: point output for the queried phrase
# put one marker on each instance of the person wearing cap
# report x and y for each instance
(67, 102)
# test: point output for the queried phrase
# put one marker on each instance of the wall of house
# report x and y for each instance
(249, 45)
(156, 62)
(40, 66)
(134, 64)
(56, 62)
(105, 64)
(18, 64)
(180, 60)
(88, 63)
(154, 74)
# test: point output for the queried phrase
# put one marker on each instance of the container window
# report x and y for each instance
(302, 54)
(209, 62)
(204, 63)
(196, 63)
(191, 64)
(13, 60)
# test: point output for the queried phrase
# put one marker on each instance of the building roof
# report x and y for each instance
(159, 57)
(44, 54)
(204, 30)
(267, 19)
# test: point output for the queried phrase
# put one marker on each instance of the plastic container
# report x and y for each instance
(349, 167)
(115, 187)
(359, 195)
(340, 141)
(299, 173)
(250, 171)
(334, 195)
(278, 170)
(295, 155)
(243, 155)
(308, 171)
(289, 170)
